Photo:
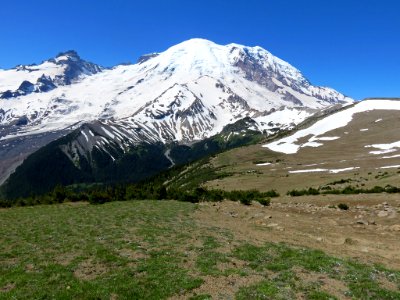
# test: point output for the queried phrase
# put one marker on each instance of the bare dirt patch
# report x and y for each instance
(89, 270)
(132, 254)
(65, 259)
(224, 287)
(315, 222)
(330, 285)
(8, 287)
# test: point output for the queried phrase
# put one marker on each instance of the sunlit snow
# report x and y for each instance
(340, 119)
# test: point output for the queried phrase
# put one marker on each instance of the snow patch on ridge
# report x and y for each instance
(390, 167)
(337, 120)
(334, 171)
(385, 148)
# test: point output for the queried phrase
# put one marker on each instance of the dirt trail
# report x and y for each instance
(369, 231)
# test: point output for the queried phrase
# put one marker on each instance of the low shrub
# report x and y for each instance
(245, 201)
(192, 198)
(98, 197)
(343, 206)
(264, 201)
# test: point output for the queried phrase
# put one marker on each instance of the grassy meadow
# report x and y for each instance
(160, 250)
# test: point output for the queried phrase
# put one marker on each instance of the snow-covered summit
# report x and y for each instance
(203, 57)
(188, 92)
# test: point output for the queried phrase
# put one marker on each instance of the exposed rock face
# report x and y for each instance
(146, 57)
(255, 71)
(75, 68)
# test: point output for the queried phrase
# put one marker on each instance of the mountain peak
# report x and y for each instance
(197, 41)
(70, 55)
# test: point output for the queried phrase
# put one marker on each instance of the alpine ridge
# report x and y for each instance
(186, 94)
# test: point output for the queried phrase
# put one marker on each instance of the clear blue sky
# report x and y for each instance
(352, 46)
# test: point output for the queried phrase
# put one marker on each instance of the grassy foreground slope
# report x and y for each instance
(161, 249)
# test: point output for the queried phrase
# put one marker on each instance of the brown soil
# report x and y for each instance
(89, 270)
(223, 287)
(367, 232)
(65, 259)
(332, 286)
(8, 287)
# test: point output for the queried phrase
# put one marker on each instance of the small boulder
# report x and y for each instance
(395, 228)
(382, 214)
(362, 222)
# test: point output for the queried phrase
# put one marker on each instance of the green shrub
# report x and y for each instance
(245, 201)
(264, 201)
(309, 191)
(312, 191)
(214, 195)
(59, 193)
(5, 204)
(343, 206)
(271, 193)
(391, 189)
(376, 190)
(192, 198)
(98, 197)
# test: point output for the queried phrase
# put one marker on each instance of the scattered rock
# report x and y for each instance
(260, 222)
(395, 227)
(233, 214)
(362, 222)
(382, 214)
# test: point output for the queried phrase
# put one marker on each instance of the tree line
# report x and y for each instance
(99, 194)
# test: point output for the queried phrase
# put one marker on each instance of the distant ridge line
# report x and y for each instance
(383, 98)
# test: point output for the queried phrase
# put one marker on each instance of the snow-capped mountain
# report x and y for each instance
(196, 82)
(187, 93)
(66, 68)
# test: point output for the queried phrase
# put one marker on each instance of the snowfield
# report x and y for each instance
(334, 171)
(337, 120)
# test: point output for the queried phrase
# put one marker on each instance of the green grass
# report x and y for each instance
(361, 280)
(155, 250)
(119, 248)
(208, 258)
